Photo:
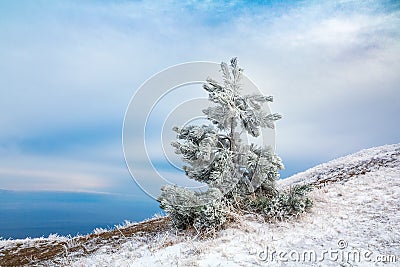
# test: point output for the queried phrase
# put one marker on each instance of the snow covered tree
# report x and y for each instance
(237, 174)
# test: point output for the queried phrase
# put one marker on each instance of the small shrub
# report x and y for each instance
(286, 204)
(202, 210)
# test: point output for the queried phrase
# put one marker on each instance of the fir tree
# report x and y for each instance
(238, 175)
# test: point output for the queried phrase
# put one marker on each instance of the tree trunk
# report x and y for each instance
(232, 134)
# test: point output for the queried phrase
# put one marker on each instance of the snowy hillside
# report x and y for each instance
(354, 222)
(342, 169)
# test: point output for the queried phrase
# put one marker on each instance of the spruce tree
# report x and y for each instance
(240, 177)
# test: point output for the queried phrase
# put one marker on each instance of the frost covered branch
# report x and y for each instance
(239, 177)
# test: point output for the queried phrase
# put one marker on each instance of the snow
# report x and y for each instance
(356, 213)
(29, 242)
(367, 160)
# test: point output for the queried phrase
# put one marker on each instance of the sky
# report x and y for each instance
(68, 70)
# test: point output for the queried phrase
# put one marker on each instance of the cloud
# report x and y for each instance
(18, 179)
(24, 172)
(69, 69)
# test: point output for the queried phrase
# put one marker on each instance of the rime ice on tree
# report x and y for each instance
(235, 173)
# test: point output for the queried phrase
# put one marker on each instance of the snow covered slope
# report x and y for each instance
(354, 222)
(342, 169)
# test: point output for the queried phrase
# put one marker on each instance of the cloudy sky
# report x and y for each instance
(68, 70)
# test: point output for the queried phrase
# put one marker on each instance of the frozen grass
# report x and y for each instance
(60, 250)
(356, 201)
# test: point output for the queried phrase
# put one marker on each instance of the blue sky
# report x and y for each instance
(69, 68)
